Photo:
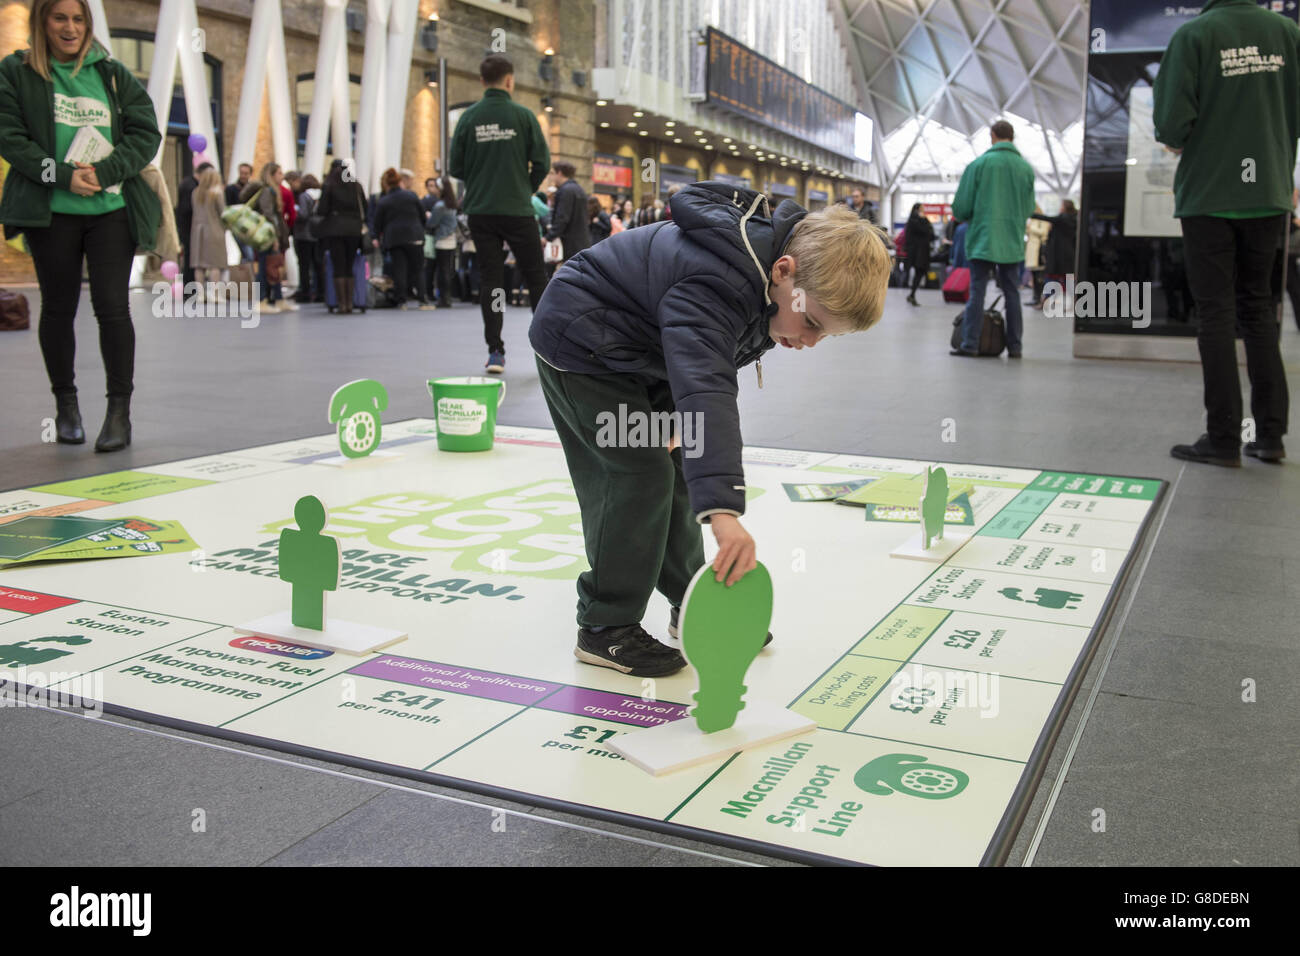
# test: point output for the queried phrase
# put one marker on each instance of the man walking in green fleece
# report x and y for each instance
(499, 150)
(1227, 98)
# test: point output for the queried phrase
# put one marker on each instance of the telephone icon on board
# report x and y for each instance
(356, 407)
(912, 775)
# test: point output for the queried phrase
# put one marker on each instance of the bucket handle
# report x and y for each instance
(500, 399)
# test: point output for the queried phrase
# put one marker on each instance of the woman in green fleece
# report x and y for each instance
(74, 188)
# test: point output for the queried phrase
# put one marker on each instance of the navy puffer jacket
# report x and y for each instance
(683, 301)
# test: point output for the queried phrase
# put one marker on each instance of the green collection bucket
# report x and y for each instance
(466, 411)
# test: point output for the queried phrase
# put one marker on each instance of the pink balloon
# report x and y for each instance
(200, 158)
(169, 269)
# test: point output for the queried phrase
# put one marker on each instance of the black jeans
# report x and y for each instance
(408, 262)
(1228, 262)
(446, 259)
(520, 232)
(104, 242)
(343, 253)
(308, 277)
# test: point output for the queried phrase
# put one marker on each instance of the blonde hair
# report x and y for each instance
(843, 262)
(38, 57)
(208, 192)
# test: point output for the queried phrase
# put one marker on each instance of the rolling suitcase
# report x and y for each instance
(993, 332)
(956, 288)
(361, 294)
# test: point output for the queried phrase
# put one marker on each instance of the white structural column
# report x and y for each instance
(162, 72)
(401, 43)
(371, 120)
(284, 131)
(194, 80)
(101, 24)
(244, 144)
(327, 65)
(343, 145)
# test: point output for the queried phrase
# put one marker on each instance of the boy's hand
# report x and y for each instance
(736, 550)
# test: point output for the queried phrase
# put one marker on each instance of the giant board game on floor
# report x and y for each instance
(937, 689)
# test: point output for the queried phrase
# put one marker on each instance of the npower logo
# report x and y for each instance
(280, 648)
(102, 909)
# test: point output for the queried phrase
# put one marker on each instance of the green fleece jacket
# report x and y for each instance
(1228, 96)
(499, 151)
(996, 196)
(29, 141)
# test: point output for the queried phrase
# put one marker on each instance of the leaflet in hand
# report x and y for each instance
(88, 146)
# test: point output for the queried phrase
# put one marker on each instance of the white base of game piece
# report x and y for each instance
(347, 637)
(939, 552)
(680, 744)
(378, 456)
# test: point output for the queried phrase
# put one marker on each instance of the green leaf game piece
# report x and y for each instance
(356, 407)
(934, 502)
(722, 630)
(310, 561)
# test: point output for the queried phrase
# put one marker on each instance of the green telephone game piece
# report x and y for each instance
(722, 630)
(356, 407)
(310, 561)
(933, 505)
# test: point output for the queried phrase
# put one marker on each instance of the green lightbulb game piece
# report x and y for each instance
(356, 407)
(722, 630)
(310, 561)
(934, 503)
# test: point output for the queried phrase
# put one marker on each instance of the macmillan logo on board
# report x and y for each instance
(533, 530)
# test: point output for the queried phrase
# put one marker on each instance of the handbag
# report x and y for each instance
(250, 226)
(430, 252)
(15, 314)
(275, 267)
(553, 251)
(365, 229)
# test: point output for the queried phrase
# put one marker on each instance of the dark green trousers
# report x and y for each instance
(637, 521)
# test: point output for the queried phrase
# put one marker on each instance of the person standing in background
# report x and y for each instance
(995, 196)
(500, 154)
(207, 239)
(310, 280)
(1037, 233)
(1060, 243)
(919, 235)
(342, 214)
(289, 209)
(1227, 98)
(399, 227)
(598, 222)
(441, 225)
(233, 192)
(569, 223)
(270, 203)
(184, 213)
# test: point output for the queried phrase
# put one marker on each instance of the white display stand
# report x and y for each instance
(938, 552)
(680, 744)
(346, 637)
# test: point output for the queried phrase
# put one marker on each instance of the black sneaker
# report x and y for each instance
(628, 649)
(676, 634)
(1206, 453)
(1266, 451)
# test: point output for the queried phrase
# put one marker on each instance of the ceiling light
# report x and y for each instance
(699, 132)
(677, 140)
(726, 139)
(604, 126)
(708, 147)
(602, 102)
(642, 133)
(632, 125)
(670, 122)
(550, 52)
(638, 113)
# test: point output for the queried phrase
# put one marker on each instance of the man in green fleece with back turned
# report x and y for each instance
(1227, 98)
(499, 150)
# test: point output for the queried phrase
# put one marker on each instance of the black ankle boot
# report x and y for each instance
(116, 433)
(67, 421)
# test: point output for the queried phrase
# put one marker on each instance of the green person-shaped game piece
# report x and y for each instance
(934, 504)
(310, 561)
(356, 407)
(723, 629)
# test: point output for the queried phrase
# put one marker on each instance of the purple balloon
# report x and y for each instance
(169, 270)
(198, 142)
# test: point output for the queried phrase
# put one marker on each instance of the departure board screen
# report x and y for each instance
(749, 84)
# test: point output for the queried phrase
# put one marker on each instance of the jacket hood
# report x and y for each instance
(737, 225)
